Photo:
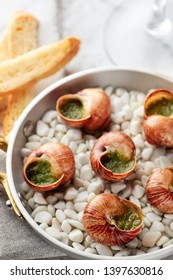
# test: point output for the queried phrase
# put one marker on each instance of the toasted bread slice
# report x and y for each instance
(15, 107)
(20, 37)
(40, 63)
(28, 69)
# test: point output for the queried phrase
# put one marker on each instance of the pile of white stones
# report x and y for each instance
(59, 213)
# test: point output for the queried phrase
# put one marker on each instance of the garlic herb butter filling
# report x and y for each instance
(115, 162)
(162, 107)
(72, 109)
(39, 173)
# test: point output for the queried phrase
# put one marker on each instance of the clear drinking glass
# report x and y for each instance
(138, 33)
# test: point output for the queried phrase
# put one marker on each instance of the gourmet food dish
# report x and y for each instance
(61, 212)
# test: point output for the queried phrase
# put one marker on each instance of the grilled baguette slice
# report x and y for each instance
(37, 64)
(20, 37)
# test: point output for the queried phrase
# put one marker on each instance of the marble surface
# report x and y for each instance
(58, 19)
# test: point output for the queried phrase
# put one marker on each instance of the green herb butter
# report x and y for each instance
(129, 221)
(72, 109)
(162, 107)
(39, 173)
(116, 163)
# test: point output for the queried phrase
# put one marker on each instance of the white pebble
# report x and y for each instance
(146, 153)
(51, 209)
(43, 226)
(65, 140)
(162, 240)
(79, 206)
(70, 213)
(158, 152)
(43, 217)
(104, 250)
(61, 128)
(171, 226)
(95, 187)
(135, 200)
(38, 209)
(31, 203)
(73, 146)
(126, 192)
(162, 162)
(60, 205)
(133, 243)
(81, 197)
(34, 138)
(42, 128)
(146, 210)
(74, 134)
(138, 140)
(69, 205)
(78, 246)
(90, 251)
(86, 173)
(32, 145)
(53, 232)
(25, 152)
(157, 226)
(38, 198)
(64, 238)
(82, 158)
(127, 112)
(123, 253)
(29, 194)
(66, 227)
(60, 215)
(169, 231)
(76, 224)
(51, 133)
(153, 217)
(51, 199)
(138, 191)
(147, 222)
(76, 235)
(70, 193)
(82, 148)
(150, 238)
(169, 216)
(49, 116)
(170, 242)
(117, 187)
(135, 127)
(56, 224)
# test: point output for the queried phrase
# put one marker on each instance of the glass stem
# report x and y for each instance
(159, 11)
(159, 24)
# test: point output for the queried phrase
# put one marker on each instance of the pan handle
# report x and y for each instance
(3, 144)
(4, 181)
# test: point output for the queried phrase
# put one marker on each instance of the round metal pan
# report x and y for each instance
(124, 78)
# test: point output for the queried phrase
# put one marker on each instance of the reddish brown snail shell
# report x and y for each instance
(89, 108)
(159, 189)
(113, 156)
(49, 166)
(111, 220)
(158, 114)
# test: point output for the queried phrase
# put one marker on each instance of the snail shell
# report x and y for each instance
(49, 166)
(159, 189)
(113, 156)
(107, 219)
(158, 114)
(89, 108)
